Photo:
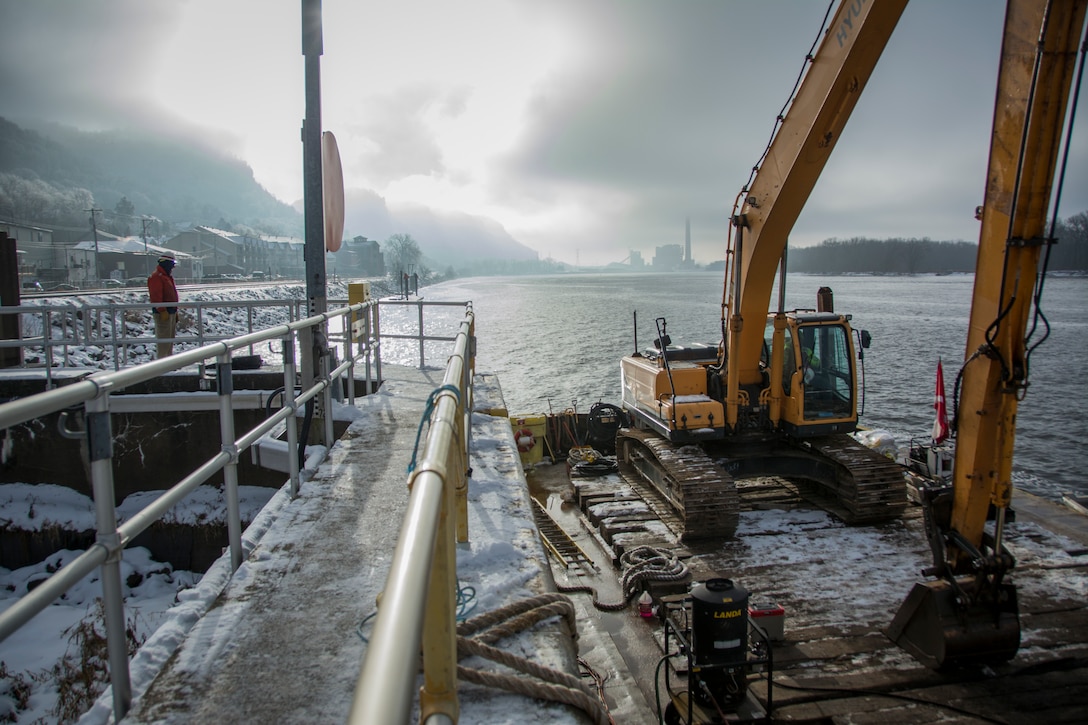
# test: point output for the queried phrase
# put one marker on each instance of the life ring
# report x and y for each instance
(525, 440)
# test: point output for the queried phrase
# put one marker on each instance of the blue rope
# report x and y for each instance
(427, 411)
(466, 602)
(466, 596)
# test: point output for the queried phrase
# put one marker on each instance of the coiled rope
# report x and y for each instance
(585, 462)
(474, 637)
(643, 563)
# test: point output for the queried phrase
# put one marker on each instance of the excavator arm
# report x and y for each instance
(970, 613)
(839, 70)
(1038, 59)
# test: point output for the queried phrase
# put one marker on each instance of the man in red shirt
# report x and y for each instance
(162, 290)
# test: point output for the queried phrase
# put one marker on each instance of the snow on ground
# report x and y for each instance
(501, 562)
(1056, 572)
(37, 506)
(150, 587)
(815, 566)
(825, 573)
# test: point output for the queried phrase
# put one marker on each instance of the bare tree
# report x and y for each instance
(402, 255)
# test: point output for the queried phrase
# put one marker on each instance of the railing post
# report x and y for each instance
(358, 293)
(324, 372)
(199, 324)
(459, 494)
(377, 335)
(289, 402)
(350, 358)
(438, 696)
(100, 453)
(225, 385)
(422, 344)
(47, 342)
(459, 444)
(467, 390)
(368, 341)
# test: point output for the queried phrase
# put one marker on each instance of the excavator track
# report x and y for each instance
(697, 497)
(868, 487)
(702, 496)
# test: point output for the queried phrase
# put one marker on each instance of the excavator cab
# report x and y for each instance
(818, 375)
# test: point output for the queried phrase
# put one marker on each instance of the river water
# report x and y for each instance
(554, 340)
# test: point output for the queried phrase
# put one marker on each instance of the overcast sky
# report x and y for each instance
(586, 128)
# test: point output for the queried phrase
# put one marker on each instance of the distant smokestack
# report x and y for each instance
(687, 239)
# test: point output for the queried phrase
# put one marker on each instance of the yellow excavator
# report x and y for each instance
(778, 396)
(969, 614)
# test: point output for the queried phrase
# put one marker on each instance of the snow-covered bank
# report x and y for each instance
(35, 658)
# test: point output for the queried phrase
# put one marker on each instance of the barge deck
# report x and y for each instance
(839, 587)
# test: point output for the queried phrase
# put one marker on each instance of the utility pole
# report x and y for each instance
(94, 229)
(147, 262)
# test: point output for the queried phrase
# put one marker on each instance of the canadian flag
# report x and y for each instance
(940, 423)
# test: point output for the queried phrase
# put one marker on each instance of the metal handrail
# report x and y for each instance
(102, 325)
(425, 561)
(361, 344)
(419, 304)
(94, 393)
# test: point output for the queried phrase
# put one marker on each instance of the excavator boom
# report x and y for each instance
(839, 71)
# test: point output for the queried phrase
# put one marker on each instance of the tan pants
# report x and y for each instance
(165, 325)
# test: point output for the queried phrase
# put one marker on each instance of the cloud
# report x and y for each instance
(663, 124)
(83, 64)
(454, 238)
(448, 238)
(580, 128)
(394, 141)
(366, 214)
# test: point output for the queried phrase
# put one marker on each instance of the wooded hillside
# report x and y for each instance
(919, 256)
(53, 175)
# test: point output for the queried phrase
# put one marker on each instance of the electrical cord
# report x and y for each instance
(889, 695)
(466, 603)
(585, 462)
(1054, 218)
(598, 684)
(657, 685)
(603, 421)
(428, 410)
(1063, 663)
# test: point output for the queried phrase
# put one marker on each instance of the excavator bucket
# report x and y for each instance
(942, 632)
